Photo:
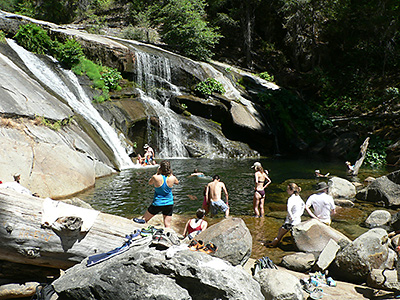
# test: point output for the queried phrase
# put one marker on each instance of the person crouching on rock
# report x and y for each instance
(196, 225)
(295, 209)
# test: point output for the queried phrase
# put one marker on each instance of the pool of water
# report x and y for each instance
(128, 194)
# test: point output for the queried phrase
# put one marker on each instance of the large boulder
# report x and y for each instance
(369, 251)
(313, 236)
(48, 163)
(393, 154)
(143, 272)
(279, 284)
(233, 239)
(341, 188)
(382, 191)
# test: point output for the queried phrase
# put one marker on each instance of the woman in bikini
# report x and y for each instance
(195, 226)
(261, 182)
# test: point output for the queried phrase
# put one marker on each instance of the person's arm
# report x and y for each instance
(176, 181)
(207, 194)
(310, 212)
(204, 225)
(152, 180)
(186, 227)
(226, 193)
(268, 181)
(291, 210)
(255, 180)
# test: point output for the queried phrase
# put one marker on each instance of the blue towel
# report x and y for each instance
(98, 258)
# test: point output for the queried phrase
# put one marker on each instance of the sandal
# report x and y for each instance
(209, 248)
(138, 220)
(196, 245)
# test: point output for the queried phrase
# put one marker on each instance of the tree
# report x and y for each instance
(185, 29)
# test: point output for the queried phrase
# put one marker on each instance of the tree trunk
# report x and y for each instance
(24, 240)
(363, 152)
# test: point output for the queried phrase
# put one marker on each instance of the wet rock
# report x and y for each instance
(300, 261)
(381, 191)
(279, 284)
(313, 236)
(233, 239)
(379, 218)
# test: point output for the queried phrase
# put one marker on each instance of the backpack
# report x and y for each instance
(43, 292)
(263, 263)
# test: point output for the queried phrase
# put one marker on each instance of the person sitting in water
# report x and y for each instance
(350, 167)
(149, 155)
(318, 174)
(196, 225)
(196, 173)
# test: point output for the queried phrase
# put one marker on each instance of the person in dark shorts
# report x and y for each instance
(163, 200)
(295, 209)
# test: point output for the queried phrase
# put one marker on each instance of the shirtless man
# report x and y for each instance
(213, 194)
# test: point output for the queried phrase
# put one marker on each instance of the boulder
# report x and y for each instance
(341, 188)
(299, 262)
(279, 284)
(379, 218)
(369, 251)
(327, 255)
(233, 239)
(384, 279)
(313, 236)
(144, 272)
(382, 191)
(394, 176)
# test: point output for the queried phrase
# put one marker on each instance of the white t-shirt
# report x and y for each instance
(322, 204)
(295, 209)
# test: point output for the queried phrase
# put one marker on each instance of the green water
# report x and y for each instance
(128, 194)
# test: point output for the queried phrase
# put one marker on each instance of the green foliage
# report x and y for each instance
(320, 122)
(143, 34)
(209, 86)
(111, 78)
(69, 53)
(376, 152)
(54, 125)
(8, 5)
(266, 76)
(185, 29)
(34, 38)
(2, 37)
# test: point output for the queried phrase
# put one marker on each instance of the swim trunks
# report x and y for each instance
(218, 204)
(165, 209)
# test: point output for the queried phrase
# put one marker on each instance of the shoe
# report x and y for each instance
(149, 230)
(138, 220)
(209, 248)
(196, 245)
(316, 294)
(167, 240)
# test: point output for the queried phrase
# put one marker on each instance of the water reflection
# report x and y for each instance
(128, 194)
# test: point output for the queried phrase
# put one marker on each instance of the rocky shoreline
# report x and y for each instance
(363, 268)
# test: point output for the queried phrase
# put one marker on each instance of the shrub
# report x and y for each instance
(266, 76)
(69, 53)
(208, 86)
(34, 38)
(111, 78)
(2, 37)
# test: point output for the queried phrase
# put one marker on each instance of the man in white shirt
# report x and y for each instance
(322, 204)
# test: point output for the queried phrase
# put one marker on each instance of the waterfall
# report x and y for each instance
(76, 99)
(153, 72)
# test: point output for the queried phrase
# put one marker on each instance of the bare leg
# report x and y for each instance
(227, 213)
(262, 207)
(167, 221)
(281, 232)
(147, 216)
(256, 203)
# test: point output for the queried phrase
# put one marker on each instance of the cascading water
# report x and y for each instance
(154, 72)
(78, 101)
